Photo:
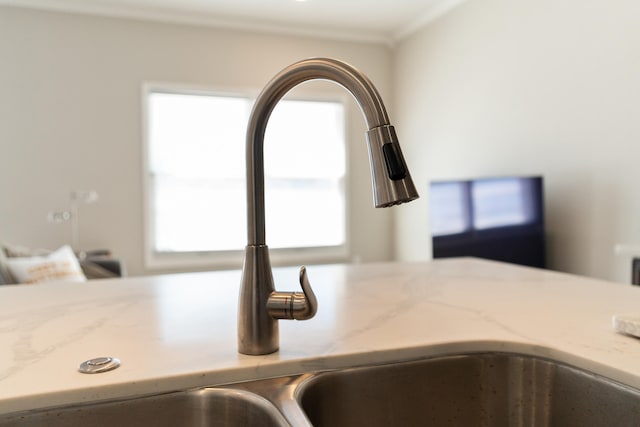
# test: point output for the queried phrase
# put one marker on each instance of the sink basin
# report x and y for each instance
(487, 389)
(208, 406)
(468, 390)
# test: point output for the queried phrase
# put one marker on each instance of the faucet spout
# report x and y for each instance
(260, 305)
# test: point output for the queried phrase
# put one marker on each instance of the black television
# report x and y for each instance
(499, 218)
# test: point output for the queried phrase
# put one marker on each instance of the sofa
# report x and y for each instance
(19, 265)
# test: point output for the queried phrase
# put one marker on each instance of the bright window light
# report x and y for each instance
(449, 208)
(196, 173)
(502, 202)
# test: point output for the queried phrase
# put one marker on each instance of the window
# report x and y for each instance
(195, 177)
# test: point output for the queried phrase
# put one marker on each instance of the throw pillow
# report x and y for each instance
(60, 265)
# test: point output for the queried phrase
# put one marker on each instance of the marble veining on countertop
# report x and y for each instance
(179, 331)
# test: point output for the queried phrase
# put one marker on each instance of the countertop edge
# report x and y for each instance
(230, 376)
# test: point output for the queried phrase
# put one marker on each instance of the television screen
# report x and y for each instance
(494, 218)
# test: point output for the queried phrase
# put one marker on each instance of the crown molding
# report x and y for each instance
(438, 9)
(185, 17)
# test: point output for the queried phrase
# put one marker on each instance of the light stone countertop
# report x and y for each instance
(175, 332)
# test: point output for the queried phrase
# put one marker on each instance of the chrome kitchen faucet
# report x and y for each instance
(260, 304)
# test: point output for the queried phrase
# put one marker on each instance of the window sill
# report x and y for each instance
(234, 259)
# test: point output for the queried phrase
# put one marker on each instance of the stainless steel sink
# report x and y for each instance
(488, 389)
(468, 390)
(204, 407)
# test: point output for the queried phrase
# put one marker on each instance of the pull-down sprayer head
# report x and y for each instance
(390, 177)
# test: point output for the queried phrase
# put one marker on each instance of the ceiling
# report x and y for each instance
(368, 20)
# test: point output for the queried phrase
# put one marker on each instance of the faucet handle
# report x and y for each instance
(294, 305)
(311, 306)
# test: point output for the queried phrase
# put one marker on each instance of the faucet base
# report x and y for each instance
(257, 329)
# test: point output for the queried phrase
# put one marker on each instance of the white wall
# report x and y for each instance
(530, 87)
(493, 87)
(70, 112)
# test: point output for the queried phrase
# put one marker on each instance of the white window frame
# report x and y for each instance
(233, 258)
